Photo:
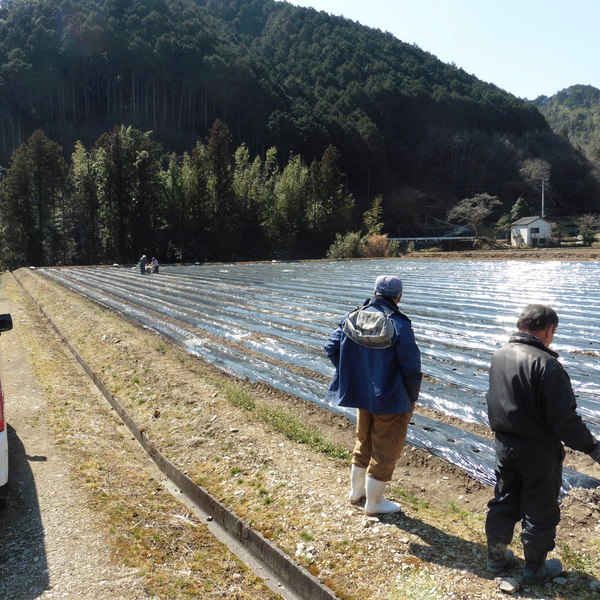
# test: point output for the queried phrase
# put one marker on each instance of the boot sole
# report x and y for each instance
(374, 514)
(541, 579)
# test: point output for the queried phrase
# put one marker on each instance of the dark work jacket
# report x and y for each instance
(530, 395)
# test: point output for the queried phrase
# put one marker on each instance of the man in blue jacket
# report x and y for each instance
(378, 372)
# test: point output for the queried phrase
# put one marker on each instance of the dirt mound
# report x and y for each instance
(536, 254)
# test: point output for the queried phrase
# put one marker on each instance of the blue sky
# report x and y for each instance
(526, 47)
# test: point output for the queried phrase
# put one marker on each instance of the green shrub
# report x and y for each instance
(345, 246)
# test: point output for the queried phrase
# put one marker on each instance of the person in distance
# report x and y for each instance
(142, 264)
(378, 372)
(532, 411)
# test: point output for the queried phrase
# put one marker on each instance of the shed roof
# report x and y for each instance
(528, 220)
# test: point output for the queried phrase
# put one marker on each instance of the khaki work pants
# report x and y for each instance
(379, 442)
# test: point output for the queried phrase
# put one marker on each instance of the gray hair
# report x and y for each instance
(536, 317)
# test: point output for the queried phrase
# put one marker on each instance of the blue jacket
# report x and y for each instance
(383, 381)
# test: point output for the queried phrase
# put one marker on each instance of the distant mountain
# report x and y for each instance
(575, 113)
(423, 133)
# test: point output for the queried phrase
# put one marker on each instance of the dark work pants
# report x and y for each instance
(528, 480)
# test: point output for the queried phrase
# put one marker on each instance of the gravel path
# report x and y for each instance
(51, 545)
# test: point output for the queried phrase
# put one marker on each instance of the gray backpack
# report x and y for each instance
(370, 328)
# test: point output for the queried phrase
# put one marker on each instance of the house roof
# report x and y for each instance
(528, 220)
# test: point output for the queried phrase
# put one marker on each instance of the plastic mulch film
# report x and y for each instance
(268, 322)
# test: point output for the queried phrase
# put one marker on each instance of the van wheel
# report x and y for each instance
(3, 495)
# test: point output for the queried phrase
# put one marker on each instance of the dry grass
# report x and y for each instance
(147, 528)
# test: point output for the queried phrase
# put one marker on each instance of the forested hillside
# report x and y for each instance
(575, 114)
(293, 87)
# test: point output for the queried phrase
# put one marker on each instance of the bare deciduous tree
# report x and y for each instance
(474, 211)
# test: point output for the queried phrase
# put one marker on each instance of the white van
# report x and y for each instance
(5, 325)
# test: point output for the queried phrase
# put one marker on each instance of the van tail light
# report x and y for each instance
(1, 410)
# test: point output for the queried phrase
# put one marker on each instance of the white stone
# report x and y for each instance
(509, 585)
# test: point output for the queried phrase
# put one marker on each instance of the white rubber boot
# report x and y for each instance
(358, 492)
(376, 504)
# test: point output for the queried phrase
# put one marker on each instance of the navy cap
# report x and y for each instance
(388, 285)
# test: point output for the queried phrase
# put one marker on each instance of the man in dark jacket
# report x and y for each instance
(532, 410)
(142, 264)
(378, 372)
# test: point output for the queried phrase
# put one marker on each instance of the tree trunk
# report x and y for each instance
(180, 109)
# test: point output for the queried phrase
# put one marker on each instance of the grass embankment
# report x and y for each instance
(147, 528)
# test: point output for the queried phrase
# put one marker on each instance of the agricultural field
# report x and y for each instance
(267, 322)
(222, 367)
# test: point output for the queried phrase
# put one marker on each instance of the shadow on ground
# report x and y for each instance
(23, 561)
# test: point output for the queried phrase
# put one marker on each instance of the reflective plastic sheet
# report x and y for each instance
(268, 322)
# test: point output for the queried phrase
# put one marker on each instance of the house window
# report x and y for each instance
(535, 230)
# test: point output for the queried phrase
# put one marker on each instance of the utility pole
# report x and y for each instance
(544, 181)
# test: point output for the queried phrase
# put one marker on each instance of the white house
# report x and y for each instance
(530, 231)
